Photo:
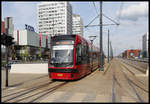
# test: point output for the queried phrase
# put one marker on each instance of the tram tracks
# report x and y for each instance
(138, 68)
(141, 83)
(113, 87)
(27, 81)
(133, 84)
(131, 73)
(116, 80)
(47, 91)
(138, 96)
(34, 93)
(24, 90)
(107, 69)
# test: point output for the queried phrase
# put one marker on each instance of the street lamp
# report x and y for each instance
(92, 38)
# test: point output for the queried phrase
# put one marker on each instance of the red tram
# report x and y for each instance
(71, 57)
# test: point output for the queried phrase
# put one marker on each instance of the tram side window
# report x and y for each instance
(84, 54)
(87, 53)
(78, 54)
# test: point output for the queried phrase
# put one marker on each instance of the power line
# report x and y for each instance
(91, 21)
(99, 25)
(95, 8)
(104, 16)
(120, 11)
(110, 19)
(119, 15)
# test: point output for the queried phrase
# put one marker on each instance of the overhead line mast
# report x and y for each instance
(101, 31)
(101, 43)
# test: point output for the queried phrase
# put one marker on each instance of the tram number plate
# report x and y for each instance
(59, 75)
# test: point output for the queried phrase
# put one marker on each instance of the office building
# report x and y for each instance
(31, 44)
(9, 26)
(54, 18)
(145, 45)
(77, 25)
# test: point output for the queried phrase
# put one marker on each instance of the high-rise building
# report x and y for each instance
(54, 18)
(9, 26)
(145, 45)
(77, 25)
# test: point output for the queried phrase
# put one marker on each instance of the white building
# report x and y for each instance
(9, 26)
(26, 37)
(43, 40)
(54, 18)
(30, 38)
(77, 25)
(31, 43)
(145, 40)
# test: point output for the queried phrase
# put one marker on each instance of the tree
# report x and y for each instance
(26, 54)
(39, 55)
(21, 55)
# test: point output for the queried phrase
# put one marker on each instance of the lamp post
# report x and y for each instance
(92, 38)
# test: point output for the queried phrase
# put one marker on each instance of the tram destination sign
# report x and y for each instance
(64, 42)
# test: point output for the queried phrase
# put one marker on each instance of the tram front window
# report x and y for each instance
(62, 55)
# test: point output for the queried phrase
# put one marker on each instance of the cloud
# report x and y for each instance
(134, 11)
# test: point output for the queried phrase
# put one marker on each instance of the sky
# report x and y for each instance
(132, 16)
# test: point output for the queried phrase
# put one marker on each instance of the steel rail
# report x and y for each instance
(49, 91)
(139, 68)
(18, 84)
(129, 82)
(124, 88)
(27, 91)
(135, 78)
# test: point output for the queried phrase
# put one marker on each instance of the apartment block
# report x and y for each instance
(54, 18)
(9, 26)
(145, 41)
(77, 25)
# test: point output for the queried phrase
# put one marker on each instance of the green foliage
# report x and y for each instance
(3, 64)
(21, 54)
(39, 55)
(26, 54)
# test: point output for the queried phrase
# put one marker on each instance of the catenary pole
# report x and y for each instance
(101, 45)
(108, 46)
